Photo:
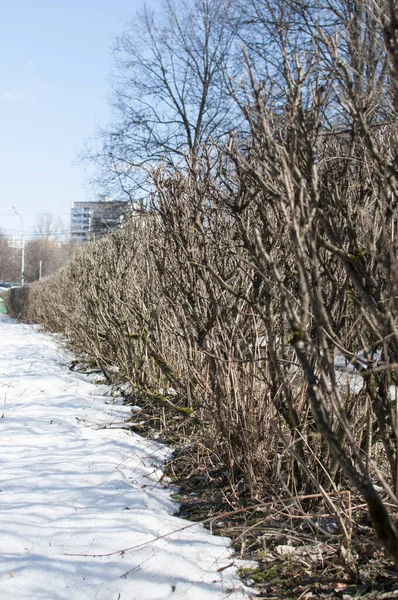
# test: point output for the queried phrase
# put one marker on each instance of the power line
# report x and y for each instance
(34, 233)
(10, 214)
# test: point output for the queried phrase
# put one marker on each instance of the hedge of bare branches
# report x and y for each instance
(260, 294)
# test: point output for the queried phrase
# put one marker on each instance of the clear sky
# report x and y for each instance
(55, 66)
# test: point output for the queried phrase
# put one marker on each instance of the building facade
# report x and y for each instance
(96, 218)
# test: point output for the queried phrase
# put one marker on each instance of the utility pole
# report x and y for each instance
(23, 249)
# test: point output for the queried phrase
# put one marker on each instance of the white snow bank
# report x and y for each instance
(74, 494)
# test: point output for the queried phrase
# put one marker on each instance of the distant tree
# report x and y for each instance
(49, 226)
(44, 257)
(46, 253)
(9, 265)
(170, 94)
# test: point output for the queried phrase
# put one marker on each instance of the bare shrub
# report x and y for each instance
(208, 289)
(17, 301)
(319, 218)
(262, 293)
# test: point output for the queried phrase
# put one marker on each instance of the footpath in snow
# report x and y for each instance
(76, 491)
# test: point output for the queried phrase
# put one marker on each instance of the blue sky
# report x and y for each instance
(55, 66)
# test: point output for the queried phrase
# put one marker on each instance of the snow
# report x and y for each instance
(84, 512)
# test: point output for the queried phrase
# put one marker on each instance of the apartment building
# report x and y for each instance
(96, 218)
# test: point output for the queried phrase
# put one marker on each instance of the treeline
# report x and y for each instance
(267, 272)
(43, 254)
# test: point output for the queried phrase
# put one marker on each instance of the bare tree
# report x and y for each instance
(43, 257)
(49, 226)
(9, 265)
(170, 92)
(48, 250)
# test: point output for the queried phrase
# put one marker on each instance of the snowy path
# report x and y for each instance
(70, 488)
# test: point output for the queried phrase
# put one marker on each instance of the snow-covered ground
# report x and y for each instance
(83, 513)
